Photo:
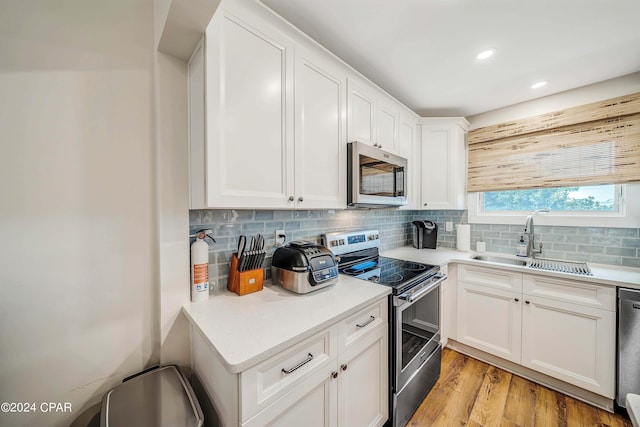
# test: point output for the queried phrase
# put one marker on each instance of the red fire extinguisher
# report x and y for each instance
(200, 266)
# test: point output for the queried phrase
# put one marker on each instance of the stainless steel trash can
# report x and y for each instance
(158, 398)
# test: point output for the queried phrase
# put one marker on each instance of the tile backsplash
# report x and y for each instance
(602, 245)
(617, 246)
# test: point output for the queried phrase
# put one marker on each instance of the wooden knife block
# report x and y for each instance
(244, 282)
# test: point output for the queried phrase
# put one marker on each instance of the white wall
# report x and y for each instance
(78, 300)
(173, 206)
(572, 98)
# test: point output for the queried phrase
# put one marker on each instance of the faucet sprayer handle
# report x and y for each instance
(528, 225)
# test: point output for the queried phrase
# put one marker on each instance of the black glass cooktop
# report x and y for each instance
(389, 271)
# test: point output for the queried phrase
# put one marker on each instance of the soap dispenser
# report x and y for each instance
(521, 248)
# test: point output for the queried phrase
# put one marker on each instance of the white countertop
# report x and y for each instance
(245, 330)
(610, 275)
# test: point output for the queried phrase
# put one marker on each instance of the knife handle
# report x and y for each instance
(242, 261)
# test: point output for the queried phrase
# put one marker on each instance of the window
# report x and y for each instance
(575, 167)
(585, 206)
(596, 199)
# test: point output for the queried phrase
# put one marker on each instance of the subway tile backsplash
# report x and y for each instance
(616, 246)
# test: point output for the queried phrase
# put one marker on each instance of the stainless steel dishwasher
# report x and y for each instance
(628, 344)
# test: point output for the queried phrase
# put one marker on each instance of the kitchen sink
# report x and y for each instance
(499, 259)
(580, 268)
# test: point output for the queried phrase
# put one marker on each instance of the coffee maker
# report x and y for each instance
(425, 234)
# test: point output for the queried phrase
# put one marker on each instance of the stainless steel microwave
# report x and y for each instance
(375, 178)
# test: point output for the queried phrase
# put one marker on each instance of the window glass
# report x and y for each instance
(598, 198)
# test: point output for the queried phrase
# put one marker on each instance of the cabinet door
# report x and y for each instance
(570, 342)
(320, 148)
(361, 110)
(312, 404)
(363, 386)
(407, 148)
(444, 166)
(387, 126)
(249, 66)
(489, 320)
(436, 164)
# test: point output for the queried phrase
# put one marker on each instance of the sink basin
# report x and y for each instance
(559, 266)
(499, 259)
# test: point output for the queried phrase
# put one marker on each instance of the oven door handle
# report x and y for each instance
(410, 297)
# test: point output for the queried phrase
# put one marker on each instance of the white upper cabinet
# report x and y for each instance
(387, 120)
(275, 116)
(361, 112)
(444, 163)
(249, 112)
(320, 132)
(270, 131)
(408, 148)
(373, 116)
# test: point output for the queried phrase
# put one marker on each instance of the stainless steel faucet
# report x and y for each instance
(528, 230)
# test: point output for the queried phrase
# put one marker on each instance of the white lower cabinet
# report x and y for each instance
(572, 342)
(337, 377)
(311, 404)
(568, 333)
(489, 320)
(363, 382)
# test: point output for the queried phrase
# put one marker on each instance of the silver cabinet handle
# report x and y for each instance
(371, 319)
(300, 199)
(291, 198)
(299, 365)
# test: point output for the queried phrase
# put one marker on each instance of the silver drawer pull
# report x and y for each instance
(371, 319)
(299, 365)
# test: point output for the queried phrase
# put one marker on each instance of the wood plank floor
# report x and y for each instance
(473, 393)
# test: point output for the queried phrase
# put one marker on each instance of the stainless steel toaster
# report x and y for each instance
(302, 267)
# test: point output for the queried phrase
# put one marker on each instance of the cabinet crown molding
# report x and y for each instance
(434, 121)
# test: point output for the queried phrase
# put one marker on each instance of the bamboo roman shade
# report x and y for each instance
(592, 144)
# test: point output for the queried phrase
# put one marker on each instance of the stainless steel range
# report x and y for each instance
(414, 320)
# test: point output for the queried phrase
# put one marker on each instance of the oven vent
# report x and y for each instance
(561, 266)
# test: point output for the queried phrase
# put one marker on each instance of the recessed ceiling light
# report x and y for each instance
(538, 85)
(486, 53)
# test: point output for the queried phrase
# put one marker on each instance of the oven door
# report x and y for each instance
(416, 330)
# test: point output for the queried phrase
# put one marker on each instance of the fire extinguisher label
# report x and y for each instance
(200, 273)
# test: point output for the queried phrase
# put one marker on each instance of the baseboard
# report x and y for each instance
(542, 379)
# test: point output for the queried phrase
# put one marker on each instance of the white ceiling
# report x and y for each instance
(423, 52)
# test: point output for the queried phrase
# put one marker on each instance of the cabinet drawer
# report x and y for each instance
(362, 323)
(267, 382)
(500, 279)
(583, 293)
